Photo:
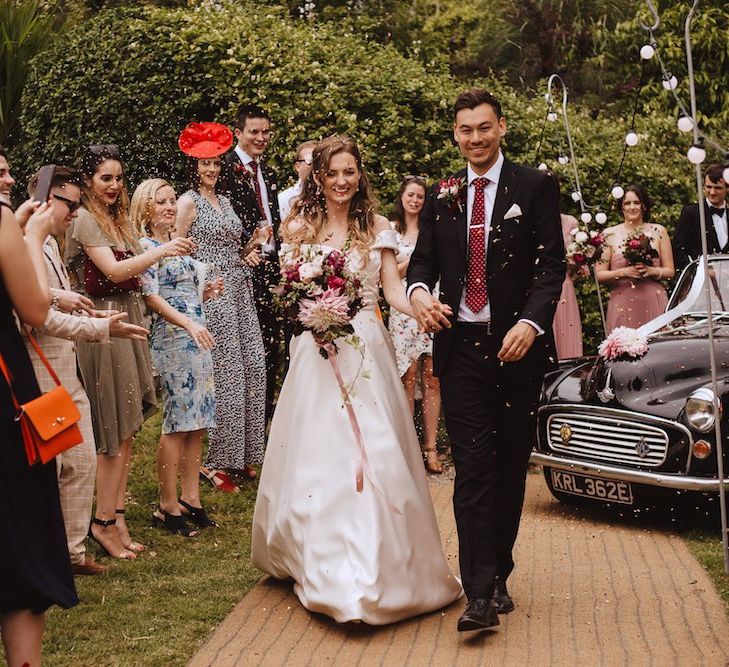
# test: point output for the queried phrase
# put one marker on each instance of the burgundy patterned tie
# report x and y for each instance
(476, 296)
(257, 187)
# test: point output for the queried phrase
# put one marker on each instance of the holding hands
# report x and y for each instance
(431, 314)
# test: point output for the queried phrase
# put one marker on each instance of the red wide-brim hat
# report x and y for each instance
(205, 140)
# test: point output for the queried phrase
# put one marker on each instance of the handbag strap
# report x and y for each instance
(8, 377)
(42, 357)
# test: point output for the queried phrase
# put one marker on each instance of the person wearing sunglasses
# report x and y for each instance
(302, 165)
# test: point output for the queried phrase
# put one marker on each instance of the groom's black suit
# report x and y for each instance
(490, 406)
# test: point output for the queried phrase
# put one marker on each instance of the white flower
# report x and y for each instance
(574, 231)
(593, 234)
(453, 190)
(590, 251)
(581, 237)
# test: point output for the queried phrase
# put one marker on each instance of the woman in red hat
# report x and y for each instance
(237, 440)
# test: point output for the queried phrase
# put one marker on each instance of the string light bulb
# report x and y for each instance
(685, 124)
(563, 159)
(617, 191)
(576, 196)
(586, 217)
(631, 139)
(647, 51)
(543, 166)
(600, 218)
(670, 82)
(552, 116)
(696, 154)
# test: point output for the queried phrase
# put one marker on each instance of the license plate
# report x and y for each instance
(607, 490)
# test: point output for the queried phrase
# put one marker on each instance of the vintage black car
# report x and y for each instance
(623, 432)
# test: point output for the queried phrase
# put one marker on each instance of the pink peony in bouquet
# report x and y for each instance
(585, 246)
(639, 249)
(623, 344)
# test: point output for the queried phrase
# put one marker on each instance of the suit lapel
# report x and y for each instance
(506, 190)
(458, 216)
(710, 230)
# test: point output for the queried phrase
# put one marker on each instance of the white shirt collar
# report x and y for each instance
(244, 157)
(708, 203)
(492, 174)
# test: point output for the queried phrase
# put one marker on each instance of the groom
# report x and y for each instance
(491, 235)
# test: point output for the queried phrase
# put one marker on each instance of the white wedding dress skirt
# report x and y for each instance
(374, 555)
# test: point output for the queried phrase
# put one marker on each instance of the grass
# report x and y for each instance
(159, 609)
(707, 549)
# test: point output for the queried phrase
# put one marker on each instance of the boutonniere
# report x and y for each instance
(242, 172)
(452, 192)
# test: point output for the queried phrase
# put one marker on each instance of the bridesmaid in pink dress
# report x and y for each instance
(567, 325)
(636, 292)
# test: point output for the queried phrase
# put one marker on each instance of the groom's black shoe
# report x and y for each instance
(502, 600)
(480, 614)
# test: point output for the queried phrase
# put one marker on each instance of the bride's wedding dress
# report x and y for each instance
(374, 555)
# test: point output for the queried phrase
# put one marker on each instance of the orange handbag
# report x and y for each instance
(49, 423)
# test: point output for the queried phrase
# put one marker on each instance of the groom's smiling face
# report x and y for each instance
(478, 134)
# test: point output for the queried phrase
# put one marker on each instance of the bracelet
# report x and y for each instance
(54, 300)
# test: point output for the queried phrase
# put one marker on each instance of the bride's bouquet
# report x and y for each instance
(318, 293)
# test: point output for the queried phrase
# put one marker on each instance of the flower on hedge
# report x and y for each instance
(328, 310)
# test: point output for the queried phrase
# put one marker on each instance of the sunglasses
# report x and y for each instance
(105, 149)
(412, 177)
(72, 205)
(305, 159)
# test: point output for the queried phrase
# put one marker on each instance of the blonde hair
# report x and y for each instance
(310, 206)
(142, 207)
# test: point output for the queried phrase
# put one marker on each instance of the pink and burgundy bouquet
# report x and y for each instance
(585, 246)
(639, 249)
(318, 293)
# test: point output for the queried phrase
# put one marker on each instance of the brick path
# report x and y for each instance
(587, 593)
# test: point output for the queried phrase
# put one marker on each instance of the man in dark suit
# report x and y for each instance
(491, 234)
(252, 187)
(687, 238)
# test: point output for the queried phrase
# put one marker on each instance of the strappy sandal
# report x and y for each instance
(432, 464)
(130, 555)
(132, 546)
(197, 515)
(219, 479)
(174, 523)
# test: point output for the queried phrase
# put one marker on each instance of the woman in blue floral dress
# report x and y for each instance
(181, 347)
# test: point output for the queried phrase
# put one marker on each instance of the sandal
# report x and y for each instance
(174, 523)
(197, 515)
(125, 554)
(132, 546)
(433, 464)
(219, 479)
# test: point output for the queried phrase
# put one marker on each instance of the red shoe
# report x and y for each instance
(219, 479)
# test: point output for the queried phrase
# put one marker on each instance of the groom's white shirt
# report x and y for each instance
(246, 160)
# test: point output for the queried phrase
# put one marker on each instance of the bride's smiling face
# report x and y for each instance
(340, 181)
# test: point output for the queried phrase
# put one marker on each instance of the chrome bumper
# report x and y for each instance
(667, 481)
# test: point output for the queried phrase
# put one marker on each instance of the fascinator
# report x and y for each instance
(205, 140)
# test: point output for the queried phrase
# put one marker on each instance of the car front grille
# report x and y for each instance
(615, 437)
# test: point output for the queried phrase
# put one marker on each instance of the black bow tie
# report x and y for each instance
(717, 211)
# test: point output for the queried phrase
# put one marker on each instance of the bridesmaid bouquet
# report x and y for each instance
(318, 293)
(585, 246)
(623, 344)
(639, 249)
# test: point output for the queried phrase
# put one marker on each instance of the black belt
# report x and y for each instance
(483, 328)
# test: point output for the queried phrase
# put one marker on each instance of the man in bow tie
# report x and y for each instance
(687, 238)
(491, 234)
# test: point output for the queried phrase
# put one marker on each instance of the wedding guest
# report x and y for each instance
(6, 180)
(35, 572)
(181, 354)
(252, 185)
(687, 238)
(239, 367)
(414, 349)
(76, 466)
(567, 326)
(636, 292)
(302, 165)
(103, 252)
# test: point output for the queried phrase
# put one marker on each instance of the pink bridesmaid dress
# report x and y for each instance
(567, 325)
(633, 301)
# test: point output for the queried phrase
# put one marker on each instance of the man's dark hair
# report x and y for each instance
(3, 152)
(714, 172)
(475, 97)
(62, 176)
(250, 111)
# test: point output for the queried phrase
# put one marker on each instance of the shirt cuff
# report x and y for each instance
(413, 287)
(537, 328)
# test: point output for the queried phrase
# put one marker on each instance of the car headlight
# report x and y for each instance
(700, 411)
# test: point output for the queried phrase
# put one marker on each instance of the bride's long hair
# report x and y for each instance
(310, 207)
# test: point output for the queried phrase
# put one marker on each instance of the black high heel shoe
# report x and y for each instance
(174, 523)
(111, 522)
(197, 515)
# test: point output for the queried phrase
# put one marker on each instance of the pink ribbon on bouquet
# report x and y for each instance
(363, 466)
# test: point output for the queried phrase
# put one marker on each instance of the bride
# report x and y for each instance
(374, 554)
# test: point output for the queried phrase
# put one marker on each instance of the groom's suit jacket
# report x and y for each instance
(525, 265)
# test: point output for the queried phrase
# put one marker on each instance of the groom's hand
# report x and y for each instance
(517, 342)
(431, 314)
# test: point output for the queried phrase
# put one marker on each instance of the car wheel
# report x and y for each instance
(564, 498)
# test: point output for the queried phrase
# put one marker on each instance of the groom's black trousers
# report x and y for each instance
(490, 412)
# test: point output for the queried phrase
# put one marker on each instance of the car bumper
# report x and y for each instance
(664, 480)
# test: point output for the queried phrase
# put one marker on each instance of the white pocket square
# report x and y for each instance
(513, 212)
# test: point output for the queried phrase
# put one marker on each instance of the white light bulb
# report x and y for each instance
(586, 217)
(617, 192)
(576, 196)
(670, 82)
(696, 155)
(552, 116)
(647, 52)
(725, 174)
(631, 139)
(600, 218)
(547, 98)
(542, 166)
(685, 124)
(563, 159)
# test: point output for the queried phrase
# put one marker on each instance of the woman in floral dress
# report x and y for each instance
(411, 346)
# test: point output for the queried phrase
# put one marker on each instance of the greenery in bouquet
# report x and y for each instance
(639, 249)
(585, 246)
(318, 293)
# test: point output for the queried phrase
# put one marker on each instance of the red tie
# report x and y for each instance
(476, 296)
(256, 185)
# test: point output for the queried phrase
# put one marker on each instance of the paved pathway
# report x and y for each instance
(587, 593)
